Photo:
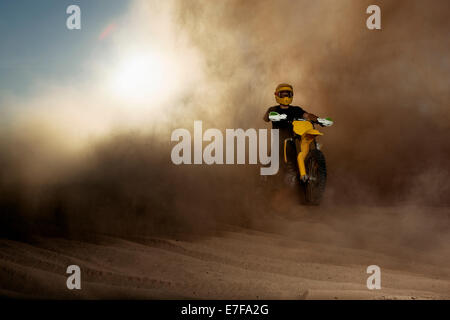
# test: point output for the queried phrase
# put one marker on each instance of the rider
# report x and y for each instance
(284, 94)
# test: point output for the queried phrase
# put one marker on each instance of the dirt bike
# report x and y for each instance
(311, 165)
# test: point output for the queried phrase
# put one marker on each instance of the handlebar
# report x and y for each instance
(276, 117)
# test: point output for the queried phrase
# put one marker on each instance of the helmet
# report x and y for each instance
(284, 94)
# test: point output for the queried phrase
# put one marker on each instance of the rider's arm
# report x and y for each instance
(310, 117)
(266, 115)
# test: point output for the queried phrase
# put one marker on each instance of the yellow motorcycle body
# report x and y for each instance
(307, 133)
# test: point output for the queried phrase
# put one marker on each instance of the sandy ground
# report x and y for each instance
(312, 255)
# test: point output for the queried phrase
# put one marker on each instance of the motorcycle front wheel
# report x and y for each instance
(317, 177)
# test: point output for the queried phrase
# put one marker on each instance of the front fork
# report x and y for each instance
(302, 146)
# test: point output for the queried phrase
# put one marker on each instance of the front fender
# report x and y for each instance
(305, 127)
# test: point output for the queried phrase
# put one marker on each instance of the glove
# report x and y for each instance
(275, 116)
(325, 122)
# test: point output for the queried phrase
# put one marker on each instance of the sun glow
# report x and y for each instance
(140, 76)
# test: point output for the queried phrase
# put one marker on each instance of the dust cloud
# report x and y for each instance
(387, 92)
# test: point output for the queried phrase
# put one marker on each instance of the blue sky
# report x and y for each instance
(35, 43)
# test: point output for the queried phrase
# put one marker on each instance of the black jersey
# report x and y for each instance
(292, 112)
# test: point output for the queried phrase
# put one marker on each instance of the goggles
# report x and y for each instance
(285, 93)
